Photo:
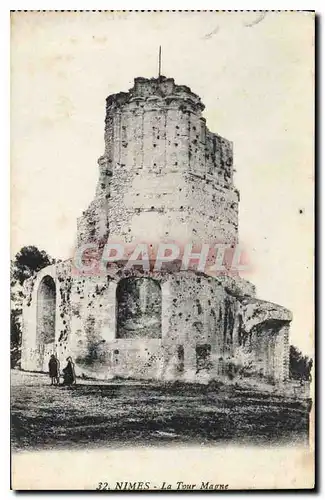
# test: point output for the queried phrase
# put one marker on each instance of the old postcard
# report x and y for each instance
(162, 308)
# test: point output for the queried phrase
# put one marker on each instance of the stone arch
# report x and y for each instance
(138, 308)
(46, 312)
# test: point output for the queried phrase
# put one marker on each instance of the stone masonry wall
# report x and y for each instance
(162, 171)
(163, 176)
(198, 312)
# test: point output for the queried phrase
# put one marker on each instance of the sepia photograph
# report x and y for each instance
(162, 250)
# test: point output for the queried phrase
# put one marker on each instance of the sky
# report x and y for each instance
(255, 75)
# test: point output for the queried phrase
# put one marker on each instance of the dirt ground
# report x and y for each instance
(129, 413)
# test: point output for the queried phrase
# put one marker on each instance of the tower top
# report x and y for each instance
(162, 88)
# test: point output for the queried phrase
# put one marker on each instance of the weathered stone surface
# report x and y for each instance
(255, 311)
(163, 172)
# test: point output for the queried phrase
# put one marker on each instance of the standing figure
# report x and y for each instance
(69, 376)
(54, 370)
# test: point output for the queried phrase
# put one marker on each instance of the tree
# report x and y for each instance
(27, 262)
(300, 366)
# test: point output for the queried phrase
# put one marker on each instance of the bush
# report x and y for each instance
(300, 365)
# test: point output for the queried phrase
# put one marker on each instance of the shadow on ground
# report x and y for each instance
(128, 414)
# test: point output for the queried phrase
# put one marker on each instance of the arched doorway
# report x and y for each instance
(46, 305)
(138, 308)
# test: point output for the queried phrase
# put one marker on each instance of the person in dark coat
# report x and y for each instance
(54, 370)
(69, 376)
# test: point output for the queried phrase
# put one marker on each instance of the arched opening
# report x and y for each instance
(46, 305)
(138, 308)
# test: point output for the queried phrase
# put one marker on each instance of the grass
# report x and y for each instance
(129, 413)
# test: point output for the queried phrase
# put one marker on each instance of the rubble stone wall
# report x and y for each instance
(163, 176)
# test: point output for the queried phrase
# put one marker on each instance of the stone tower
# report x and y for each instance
(163, 174)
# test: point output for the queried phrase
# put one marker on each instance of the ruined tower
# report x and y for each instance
(163, 176)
